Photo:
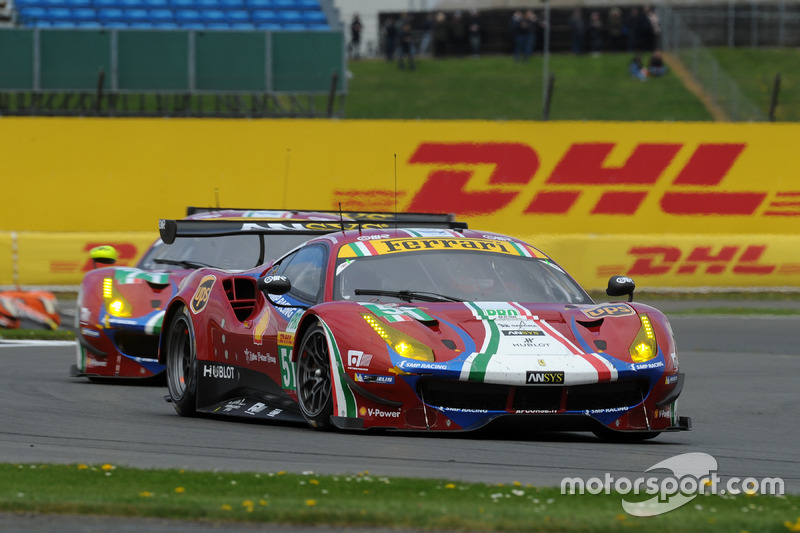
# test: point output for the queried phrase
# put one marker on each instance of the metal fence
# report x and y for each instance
(687, 45)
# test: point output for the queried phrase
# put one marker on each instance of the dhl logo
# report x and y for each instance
(696, 190)
(699, 260)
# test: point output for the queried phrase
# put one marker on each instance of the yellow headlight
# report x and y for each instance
(116, 305)
(644, 346)
(404, 345)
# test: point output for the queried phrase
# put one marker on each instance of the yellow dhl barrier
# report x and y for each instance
(655, 262)
(80, 174)
(41, 258)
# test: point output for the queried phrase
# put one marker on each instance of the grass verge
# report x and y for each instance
(37, 334)
(363, 500)
(497, 88)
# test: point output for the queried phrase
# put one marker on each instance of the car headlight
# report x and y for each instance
(116, 305)
(644, 346)
(404, 345)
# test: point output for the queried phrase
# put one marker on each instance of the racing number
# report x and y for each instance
(287, 368)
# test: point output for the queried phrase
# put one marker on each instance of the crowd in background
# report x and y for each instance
(461, 34)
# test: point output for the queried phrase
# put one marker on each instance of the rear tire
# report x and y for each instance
(181, 357)
(314, 388)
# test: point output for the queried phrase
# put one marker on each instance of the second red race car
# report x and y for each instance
(120, 309)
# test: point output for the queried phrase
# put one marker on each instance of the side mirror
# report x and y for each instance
(274, 284)
(620, 286)
(104, 255)
(277, 285)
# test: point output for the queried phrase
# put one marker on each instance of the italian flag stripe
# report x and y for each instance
(345, 401)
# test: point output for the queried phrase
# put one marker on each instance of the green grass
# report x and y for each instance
(39, 334)
(363, 500)
(497, 88)
(754, 70)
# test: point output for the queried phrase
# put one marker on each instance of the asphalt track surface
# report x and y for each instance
(741, 392)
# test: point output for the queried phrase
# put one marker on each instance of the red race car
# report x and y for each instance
(120, 309)
(418, 329)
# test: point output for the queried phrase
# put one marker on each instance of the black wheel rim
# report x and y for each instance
(314, 383)
(180, 359)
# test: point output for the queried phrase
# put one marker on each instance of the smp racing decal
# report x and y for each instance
(607, 310)
(201, 295)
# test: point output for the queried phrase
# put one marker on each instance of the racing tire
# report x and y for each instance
(181, 359)
(314, 385)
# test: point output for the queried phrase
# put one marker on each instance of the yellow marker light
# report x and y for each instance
(116, 305)
(108, 287)
(644, 346)
(404, 345)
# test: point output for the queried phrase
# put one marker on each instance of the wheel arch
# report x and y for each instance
(175, 307)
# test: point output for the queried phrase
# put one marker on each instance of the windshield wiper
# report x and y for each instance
(183, 263)
(408, 296)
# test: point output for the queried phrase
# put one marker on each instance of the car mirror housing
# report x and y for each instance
(274, 284)
(620, 286)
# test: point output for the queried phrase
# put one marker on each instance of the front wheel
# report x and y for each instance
(314, 388)
(181, 357)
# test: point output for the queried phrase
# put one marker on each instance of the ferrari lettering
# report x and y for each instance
(547, 378)
(438, 244)
(201, 295)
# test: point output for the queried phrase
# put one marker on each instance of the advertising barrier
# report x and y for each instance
(700, 203)
(45, 258)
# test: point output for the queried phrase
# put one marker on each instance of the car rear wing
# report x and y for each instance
(346, 215)
(172, 229)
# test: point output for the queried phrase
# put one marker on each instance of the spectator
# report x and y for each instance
(595, 33)
(474, 33)
(427, 35)
(615, 29)
(636, 68)
(354, 48)
(389, 38)
(458, 33)
(441, 35)
(530, 25)
(517, 34)
(633, 29)
(656, 66)
(654, 29)
(577, 32)
(406, 47)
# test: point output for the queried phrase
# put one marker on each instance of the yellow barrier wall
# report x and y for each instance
(79, 174)
(662, 261)
(589, 183)
(46, 258)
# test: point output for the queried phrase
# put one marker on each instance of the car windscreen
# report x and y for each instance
(231, 252)
(461, 275)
